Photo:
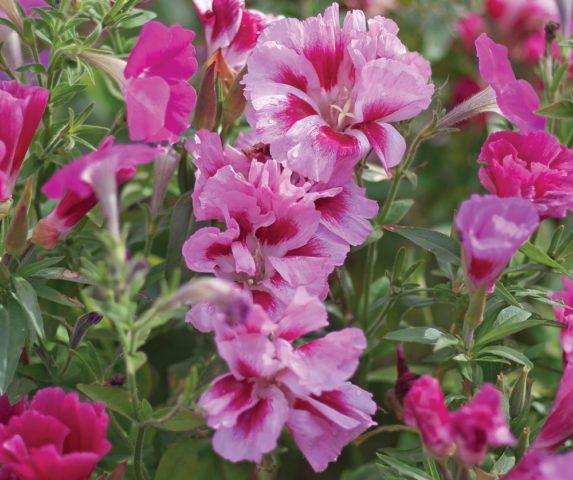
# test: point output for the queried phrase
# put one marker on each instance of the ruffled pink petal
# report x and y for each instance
(249, 355)
(304, 314)
(226, 399)
(146, 101)
(256, 430)
(387, 143)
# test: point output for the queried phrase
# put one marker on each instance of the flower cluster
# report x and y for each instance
(467, 432)
(53, 436)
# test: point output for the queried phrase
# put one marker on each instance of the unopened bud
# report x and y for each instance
(523, 443)
(17, 235)
(163, 169)
(5, 206)
(207, 105)
(84, 323)
(406, 377)
(520, 395)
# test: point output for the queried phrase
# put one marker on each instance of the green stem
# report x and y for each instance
(474, 316)
(140, 473)
(368, 275)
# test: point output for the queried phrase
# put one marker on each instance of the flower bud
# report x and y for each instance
(163, 169)
(522, 443)
(12, 12)
(15, 241)
(206, 109)
(520, 398)
(5, 206)
(114, 67)
(406, 377)
(84, 323)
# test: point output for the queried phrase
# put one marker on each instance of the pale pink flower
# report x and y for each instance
(516, 99)
(84, 182)
(232, 28)
(468, 431)
(56, 436)
(534, 166)
(425, 408)
(372, 7)
(272, 383)
(492, 229)
(323, 95)
(158, 97)
(21, 110)
(479, 424)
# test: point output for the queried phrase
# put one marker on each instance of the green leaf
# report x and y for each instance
(506, 330)
(30, 269)
(12, 337)
(179, 460)
(539, 256)
(508, 353)
(442, 246)
(398, 210)
(505, 293)
(28, 300)
(115, 398)
(405, 470)
(562, 109)
(511, 315)
(424, 335)
(182, 422)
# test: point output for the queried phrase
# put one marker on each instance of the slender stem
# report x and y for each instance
(474, 316)
(368, 274)
(444, 470)
(140, 472)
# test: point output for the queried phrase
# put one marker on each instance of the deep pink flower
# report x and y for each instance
(21, 109)
(159, 99)
(492, 229)
(520, 24)
(564, 315)
(471, 429)
(323, 95)
(425, 408)
(82, 183)
(7, 410)
(516, 99)
(56, 437)
(533, 166)
(479, 424)
(232, 28)
(272, 383)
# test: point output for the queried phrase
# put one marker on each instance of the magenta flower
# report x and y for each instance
(564, 315)
(492, 229)
(232, 28)
(323, 95)
(21, 109)
(533, 166)
(158, 98)
(7, 410)
(56, 437)
(516, 99)
(469, 430)
(272, 383)
(469, 27)
(425, 408)
(478, 424)
(81, 184)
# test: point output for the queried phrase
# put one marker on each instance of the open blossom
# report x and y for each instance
(521, 23)
(55, 437)
(516, 99)
(21, 110)
(232, 28)
(470, 430)
(158, 97)
(323, 95)
(81, 184)
(492, 229)
(272, 383)
(372, 7)
(533, 166)
(538, 465)
(281, 232)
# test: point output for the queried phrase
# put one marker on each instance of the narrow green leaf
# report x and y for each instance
(539, 256)
(442, 246)
(424, 335)
(398, 210)
(115, 398)
(28, 300)
(12, 337)
(498, 333)
(508, 353)
(405, 470)
(179, 461)
(182, 422)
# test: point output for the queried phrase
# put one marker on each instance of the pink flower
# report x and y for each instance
(565, 315)
(516, 99)
(533, 166)
(492, 229)
(471, 429)
(521, 24)
(81, 184)
(478, 424)
(372, 7)
(158, 98)
(231, 27)
(469, 27)
(7, 410)
(56, 437)
(281, 231)
(272, 384)
(425, 408)
(21, 108)
(323, 95)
